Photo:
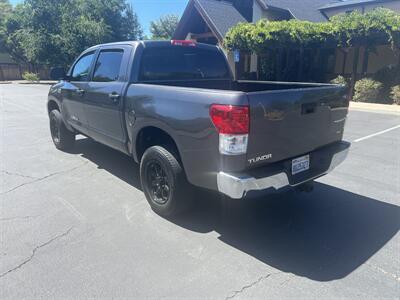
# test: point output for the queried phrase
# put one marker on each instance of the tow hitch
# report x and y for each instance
(306, 187)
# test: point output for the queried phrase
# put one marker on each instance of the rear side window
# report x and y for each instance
(82, 68)
(108, 65)
(180, 63)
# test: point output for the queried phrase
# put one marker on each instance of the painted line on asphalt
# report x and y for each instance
(71, 208)
(375, 134)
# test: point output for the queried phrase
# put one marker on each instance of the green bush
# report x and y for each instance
(367, 90)
(33, 77)
(390, 77)
(396, 94)
(339, 80)
(344, 30)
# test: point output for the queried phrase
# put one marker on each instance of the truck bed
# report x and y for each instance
(286, 119)
(246, 86)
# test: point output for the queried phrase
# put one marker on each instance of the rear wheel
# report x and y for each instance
(63, 139)
(164, 182)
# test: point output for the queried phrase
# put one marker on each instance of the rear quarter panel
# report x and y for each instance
(184, 114)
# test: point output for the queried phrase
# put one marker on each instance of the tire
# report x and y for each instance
(62, 138)
(164, 182)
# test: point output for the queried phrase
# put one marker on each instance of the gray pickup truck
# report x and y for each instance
(176, 109)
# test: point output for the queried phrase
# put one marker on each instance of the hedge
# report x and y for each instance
(346, 30)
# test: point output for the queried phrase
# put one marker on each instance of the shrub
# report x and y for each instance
(367, 90)
(339, 80)
(31, 77)
(390, 77)
(396, 94)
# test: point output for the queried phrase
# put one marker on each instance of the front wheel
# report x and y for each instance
(63, 139)
(164, 182)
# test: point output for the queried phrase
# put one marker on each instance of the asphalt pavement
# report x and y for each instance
(77, 225)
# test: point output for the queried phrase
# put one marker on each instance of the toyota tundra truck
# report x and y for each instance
(175, 108)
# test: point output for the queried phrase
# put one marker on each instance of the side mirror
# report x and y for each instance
(58, 73)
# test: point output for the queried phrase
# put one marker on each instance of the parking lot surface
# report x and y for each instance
(76, 225)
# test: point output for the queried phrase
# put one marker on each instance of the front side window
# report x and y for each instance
(182, 63)
(108, 65)
(82, 68)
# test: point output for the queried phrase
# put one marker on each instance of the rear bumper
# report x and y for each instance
(277, 176)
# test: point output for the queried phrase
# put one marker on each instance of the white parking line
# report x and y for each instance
(375, 134)
(71, 208)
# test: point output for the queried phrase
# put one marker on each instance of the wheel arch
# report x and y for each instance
(51, 105)
(154, 136)
(54, 103)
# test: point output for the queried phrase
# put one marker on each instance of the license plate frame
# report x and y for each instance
(300, 164)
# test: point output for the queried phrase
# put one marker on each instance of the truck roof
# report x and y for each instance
(148, 44)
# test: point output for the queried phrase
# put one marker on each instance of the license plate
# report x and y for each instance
(300, 164)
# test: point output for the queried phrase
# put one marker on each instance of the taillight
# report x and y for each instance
(232, 124)
(186, 43)
(230, 119)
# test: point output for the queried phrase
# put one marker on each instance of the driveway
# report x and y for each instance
(76, 225)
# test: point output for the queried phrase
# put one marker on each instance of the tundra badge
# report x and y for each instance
(260, 158)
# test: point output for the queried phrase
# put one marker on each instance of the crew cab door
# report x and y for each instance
(104, 103)
(74, 92)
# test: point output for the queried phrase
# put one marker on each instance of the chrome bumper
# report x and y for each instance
(237, 185)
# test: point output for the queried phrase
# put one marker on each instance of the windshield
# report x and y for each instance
(182, 63)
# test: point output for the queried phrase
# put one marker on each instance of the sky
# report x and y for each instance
(149, 10)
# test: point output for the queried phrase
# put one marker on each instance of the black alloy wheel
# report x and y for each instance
(159, 186)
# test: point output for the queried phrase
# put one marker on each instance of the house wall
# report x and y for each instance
(254, 63)
(344, 63)
(271, 15)
(393, 5)
(258, 12)
(231, 61)
(383, 56)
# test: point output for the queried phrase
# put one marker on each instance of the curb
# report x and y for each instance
(33, 83)
(375, 107)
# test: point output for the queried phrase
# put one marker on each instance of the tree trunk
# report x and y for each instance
(286, 73)
(19, 70)
(353, 80)
(317, 65)
(398, 53)
(301, 65)
(279, 64)
(365, 61)
(1, 73)
(344, 61)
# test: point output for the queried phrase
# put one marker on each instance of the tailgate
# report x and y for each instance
(289, 123)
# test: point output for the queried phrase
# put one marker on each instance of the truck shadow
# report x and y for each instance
(324, 235)
(110, 160)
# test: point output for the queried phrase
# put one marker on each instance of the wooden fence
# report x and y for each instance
(15, 71)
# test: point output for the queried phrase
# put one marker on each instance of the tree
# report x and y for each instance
(117, 14)
(5, 12)
(55, 32)
(164, 27)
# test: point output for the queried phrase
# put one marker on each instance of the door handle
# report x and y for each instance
(114, 97)
(80, 92)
